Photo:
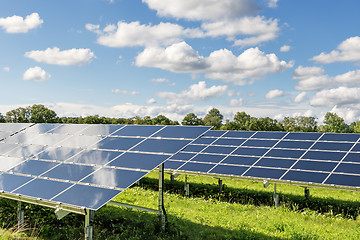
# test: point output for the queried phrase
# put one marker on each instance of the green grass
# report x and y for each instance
(243, 210)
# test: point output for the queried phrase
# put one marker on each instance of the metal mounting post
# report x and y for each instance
(187, 187)
(88, 228)
(20, 216)
(306, 192)
(162, 212)
(220, 185)
(276, 197)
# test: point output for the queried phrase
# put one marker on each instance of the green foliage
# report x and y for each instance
(334, 123)
(192, 119)
(162, 120)
(299, 124)
(2, 118)
(213, 118)
(36, 113)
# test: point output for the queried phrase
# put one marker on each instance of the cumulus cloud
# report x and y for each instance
(347, 51)
(300, 97)
(135, 34)
(203, 9)
(351, 77)
(196, 92)
(36, 74)
(221, 64)
(312, 78)
(236, 102)
(6, 69)
(285, 48)
(272, 3)
(151, 101)
(124, 92)
(17, 24)
(275, 93)
(341, 96)
(72, 56)
(259, 28)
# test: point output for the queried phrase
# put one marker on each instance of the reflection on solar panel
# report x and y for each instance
(327, 159)
(83, 165)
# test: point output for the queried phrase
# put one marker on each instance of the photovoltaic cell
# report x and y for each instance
(9, 162)
(190, 132)
(139, 161)
(269, 135)
(251, 151)
(58, 153)
(295, 144)
(9, 182)
(99, 129)
(138, 130)
(303, 136)
(117, 143)
(307, 177)
(315, 165)
(322, 155)
(183, 156)
(229, 170)
(275, 162)
(229, 141)
(170, 146)
(98, 157)
(69, 128)
(343, 180)
(208, 158)
(87, 196)
(197, 167)
(70, 172)
(348, 168)
(194, 148)
(41, 128)
(352, 157)
(238, 134)
(264, 173)
(33, 167)
(285, 153)
(214, 133)
(204, 140)
(218, 149)
(260, 143)
(240, 160)
(173, 165)
(334, 146)
(340, 137)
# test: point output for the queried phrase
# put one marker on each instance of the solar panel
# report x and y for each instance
(329, 159)
(84, 165)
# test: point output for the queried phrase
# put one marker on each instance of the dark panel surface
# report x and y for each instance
(9, 182)
(240, 160)
(285, 153)
(33, 167)
(322, 155)
(118, 143)
(182, 132)
(98, 157)
(139, 161)
(307, 177)
(58, 153)
(70, 172)
(228, 170)
(340, 137)
(275, 162)
(170, 146)
(264, 173)
(197, 167)
(219, 149)
(208, 158)
(138, 130)
(250, 151)
(303, 136)
(343, 180)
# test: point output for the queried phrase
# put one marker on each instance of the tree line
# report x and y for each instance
(38, 113)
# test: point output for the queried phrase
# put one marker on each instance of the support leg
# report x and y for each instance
(220, 185)
(276, 197)
(88, 228)
(20, 216)
(307, 193)
(162, 212)
(187, 187)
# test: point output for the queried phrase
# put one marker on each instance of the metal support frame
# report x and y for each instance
(88, 229)
(220, 185)
(306, 192)
(186, 187)
(162, 212)
(20, 216)
(276, 197)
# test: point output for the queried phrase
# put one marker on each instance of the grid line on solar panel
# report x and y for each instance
(301, 157)
(341, 161)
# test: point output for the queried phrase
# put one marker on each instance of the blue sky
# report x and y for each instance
(125, 58)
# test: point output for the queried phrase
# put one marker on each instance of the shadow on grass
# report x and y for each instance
(330, 206)
(111, 222)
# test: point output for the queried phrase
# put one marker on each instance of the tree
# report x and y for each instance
(161, 120)
(299, 124)
(36, 113)
(269, 124)
(213, 118)
(2, 118)
(192, 119)
(334, 123)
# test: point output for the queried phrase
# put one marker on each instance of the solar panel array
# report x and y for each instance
(328, 159)
(84, 165)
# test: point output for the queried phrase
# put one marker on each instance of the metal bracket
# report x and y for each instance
(60, 213)
(276, 197)
(20, 216)
(162, 212)
(220, 185)
(186, 187)
(88, 228)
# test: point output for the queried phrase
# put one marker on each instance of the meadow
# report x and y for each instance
(242, 210)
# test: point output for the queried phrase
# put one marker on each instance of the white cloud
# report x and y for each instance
(351, 77)
(160, 80)
(312, 78)
(17, 24)
(285, 48)
(347, 51)
(36, 74)
(136, 34)
(275, 93)
(236, 102)
(221, 64)
(196, 92)
(348, 114)
(203, 9)
(272, 3)
(151, 101)
(6, 69)
(341, 96)
(124, 92)
(258, 27)
(300, 97)
(72, 56)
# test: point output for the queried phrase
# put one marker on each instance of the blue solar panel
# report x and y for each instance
(214, 133)
(139, 161)
(26, 151)
(100, 129)
(264, 173)
(138, 130)
(306, 177)
(240, 160)
(285, 153)
(303, 136)
(190, 132)
(208, 158)
(250, 151)
(352, 157)
(183, 156)
(89, 197)
(194, 148)
(58, 153)
(238, 134)
(348, 168)
(41, 128)
(260, 143)
(321, 155)
(42, 188)
(9, 162)
(344, 180)
(218, 149)
(98, 157)
(173, 165)
(9, 182)
(117, 143)
(269, 135)
(315, 165)
(69, 129)
(340, 137)
(228, 141)
(70, 172)
(204, 140)
(169, 146)
(33, 167)
(275, 162)
(356, 148)
(197, 167)
(294, 144)
(229, 170)
(334, 146)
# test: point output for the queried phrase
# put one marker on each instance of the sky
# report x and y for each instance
(127, 58)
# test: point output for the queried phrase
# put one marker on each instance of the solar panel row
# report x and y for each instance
(85, 165)
(321, 158)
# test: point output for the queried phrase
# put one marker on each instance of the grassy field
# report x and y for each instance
(243, 210)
